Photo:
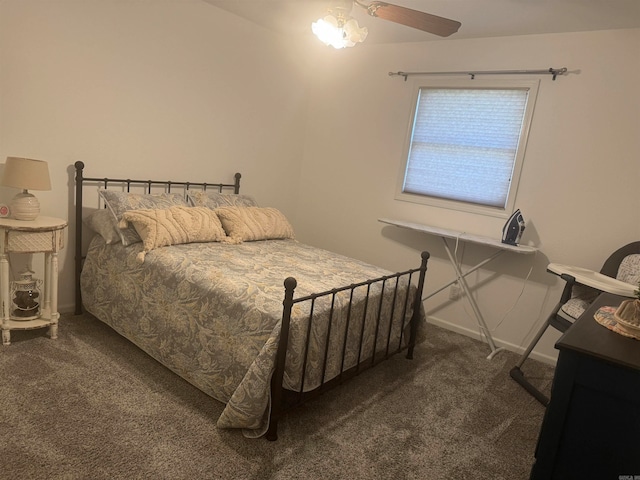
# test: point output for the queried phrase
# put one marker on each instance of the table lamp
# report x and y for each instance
(27, 174)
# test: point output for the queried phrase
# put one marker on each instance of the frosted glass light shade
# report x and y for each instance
(27, 174)
(338, 31)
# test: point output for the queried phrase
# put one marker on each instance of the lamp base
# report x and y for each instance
(25, 206)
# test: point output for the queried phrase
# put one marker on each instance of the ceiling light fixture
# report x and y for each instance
(339, 29)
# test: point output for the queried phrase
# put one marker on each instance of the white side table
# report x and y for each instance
(42, 235)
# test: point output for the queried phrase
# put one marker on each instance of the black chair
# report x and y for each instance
(581, 288)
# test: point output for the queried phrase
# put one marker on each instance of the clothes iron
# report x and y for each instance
(512, 230)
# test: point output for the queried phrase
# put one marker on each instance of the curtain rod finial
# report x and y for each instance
(399, 74)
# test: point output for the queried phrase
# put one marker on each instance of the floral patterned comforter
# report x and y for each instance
(211, 313)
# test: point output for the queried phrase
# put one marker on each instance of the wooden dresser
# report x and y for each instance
(591, 429)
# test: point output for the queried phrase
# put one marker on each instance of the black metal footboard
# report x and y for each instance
(389, 337)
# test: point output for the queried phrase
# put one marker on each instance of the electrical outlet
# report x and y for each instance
(455, 292)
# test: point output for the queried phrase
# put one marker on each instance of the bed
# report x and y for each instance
(246, 313)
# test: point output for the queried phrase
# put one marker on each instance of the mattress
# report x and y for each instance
(211, 312)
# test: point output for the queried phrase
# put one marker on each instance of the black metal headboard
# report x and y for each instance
(81, 181)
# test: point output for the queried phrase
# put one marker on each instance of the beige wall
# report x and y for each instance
(578, 189)
(175, 89)
(181, 89)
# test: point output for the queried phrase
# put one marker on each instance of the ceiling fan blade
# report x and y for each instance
(412, 18)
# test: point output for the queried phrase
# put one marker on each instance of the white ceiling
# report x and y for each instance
(480, 18)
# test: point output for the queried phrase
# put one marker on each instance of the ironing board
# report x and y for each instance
(446, 235)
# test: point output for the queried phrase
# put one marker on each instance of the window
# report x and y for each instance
(466, 145)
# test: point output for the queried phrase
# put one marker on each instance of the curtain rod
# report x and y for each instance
(551, 71)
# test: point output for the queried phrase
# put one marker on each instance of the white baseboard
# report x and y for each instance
(499, 343)
(69, 309)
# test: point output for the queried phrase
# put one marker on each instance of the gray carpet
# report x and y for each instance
(90, 405)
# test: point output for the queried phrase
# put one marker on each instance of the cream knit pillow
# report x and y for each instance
(246, 224)
(173, 226)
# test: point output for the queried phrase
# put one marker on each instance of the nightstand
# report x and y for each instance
(42, 235)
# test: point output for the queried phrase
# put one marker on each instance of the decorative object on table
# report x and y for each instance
(4, 210)
(606, 316)
(628, 315)
(27, 174)
(513, 229)
(25, 296)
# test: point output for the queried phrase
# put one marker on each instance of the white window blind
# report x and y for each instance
(464, 145)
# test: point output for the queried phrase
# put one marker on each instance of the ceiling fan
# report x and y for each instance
(340, 30)
(426, 22)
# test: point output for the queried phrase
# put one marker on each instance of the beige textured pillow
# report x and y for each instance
(173, 226)
(246, 224)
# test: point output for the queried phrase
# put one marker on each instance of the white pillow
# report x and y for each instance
(101, 222)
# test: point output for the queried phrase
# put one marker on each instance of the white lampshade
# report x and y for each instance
(27, 174)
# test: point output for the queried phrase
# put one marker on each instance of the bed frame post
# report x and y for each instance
(237, 184)
(278, 374)
(417, 306)
(78, 226)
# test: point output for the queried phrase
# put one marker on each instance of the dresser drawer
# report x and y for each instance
(32, 242)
